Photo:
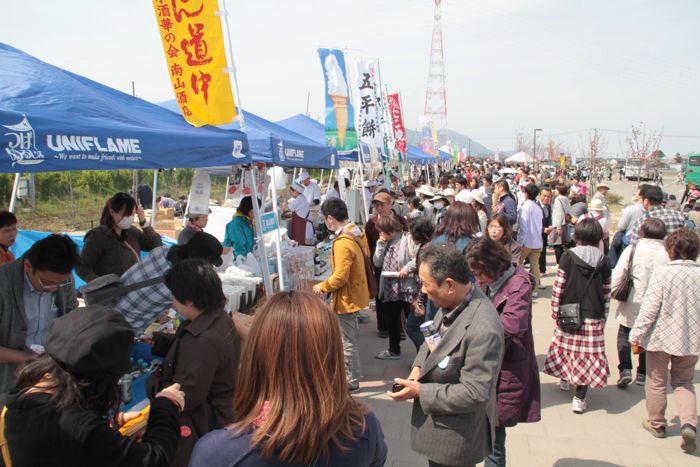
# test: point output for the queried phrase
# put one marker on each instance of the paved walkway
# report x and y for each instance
(608, 434)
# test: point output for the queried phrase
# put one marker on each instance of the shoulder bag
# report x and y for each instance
(569, 316)
(622, 292)
(104, 289)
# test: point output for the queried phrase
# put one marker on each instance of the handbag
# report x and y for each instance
(622, 291)
(569, 315)
(163, 372)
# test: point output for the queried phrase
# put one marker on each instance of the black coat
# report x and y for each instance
(40, 434)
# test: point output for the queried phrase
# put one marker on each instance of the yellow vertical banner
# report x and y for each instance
(194, 50)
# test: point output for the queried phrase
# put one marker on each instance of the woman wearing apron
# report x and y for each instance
(302, 229)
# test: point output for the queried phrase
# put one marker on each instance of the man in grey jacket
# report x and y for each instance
(34, 290)
(453, 387)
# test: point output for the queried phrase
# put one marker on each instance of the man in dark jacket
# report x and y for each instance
(545, 202)
(504, 202)
(34, 290)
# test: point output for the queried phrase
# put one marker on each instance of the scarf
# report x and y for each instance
(492, 289)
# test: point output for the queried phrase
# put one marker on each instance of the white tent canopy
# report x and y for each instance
(520, 157)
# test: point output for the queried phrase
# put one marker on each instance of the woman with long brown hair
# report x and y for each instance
(292, 406)
(458, 227)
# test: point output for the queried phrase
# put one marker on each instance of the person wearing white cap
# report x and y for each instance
(477, 203)
(370, 188)
(440, 203)
(425, 193)
(302, 229)
(312, 192)
(449, 194)
(596, 211)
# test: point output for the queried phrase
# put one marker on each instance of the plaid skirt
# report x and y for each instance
(579, 356)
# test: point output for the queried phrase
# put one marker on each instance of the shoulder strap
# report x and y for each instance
(590, 279)
(3, 441)
(140, 285)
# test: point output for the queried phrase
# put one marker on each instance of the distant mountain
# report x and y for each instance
(475, 148)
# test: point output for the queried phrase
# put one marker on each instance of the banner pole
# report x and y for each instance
(273, 188)
(15, 188)
(265, 267)
(154, 207)
(253, 170)
(360, 152)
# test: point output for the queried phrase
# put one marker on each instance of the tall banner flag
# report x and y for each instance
(369, 122)
(194, 50)
(340, 115)
(426, 135)
(397, 122)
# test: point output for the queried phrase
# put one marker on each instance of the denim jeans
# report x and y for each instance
(624, 352)
(498, 456)
(413, 329)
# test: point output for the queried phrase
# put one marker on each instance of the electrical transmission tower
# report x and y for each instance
(436, 94)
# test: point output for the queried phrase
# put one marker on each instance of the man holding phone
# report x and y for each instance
(454, 387)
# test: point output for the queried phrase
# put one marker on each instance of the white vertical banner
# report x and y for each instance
(369, 123)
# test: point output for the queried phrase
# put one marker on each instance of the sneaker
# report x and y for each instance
(578, 405)
(688, 433)
(535, 294)
(655, 432)
(625, 379)
(383, 334)
(388, 355)
(542, 286)
(564, 385)
(641, 379)
(362, 317)
(353, 389)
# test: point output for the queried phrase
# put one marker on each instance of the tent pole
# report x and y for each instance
(321, 177)
(273, 188)
(154, 207)
(228, 180)
(294, 175)
(15, 188)
(330, 182)
(258, 230)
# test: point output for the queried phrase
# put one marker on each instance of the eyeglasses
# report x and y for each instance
(50, 286)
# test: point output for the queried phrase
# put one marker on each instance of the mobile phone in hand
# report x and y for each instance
(396, 387)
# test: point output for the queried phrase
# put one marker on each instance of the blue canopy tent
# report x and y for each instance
(55, 120)
(313, 130)
(418, 157)
(275, 144)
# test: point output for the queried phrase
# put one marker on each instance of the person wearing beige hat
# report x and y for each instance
(450, 194)
(596, 210)
(480, 207)
(440, 203)
(425, 193)
(601, 193)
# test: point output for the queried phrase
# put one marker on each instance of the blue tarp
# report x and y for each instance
(418, 157)
(27, 238)
(313, 130)
(273, 143)
(54, 120)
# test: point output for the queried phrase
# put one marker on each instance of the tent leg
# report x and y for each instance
(273, 188)
(330, 182)
(258, 231)
(228, 180)
(321, 179)
(294, 175)
(362, 189)
(15, 188)
(154, 207)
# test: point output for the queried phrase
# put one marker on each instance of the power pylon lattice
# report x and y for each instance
(436, 93)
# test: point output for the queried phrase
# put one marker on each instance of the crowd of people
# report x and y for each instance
(454, 266)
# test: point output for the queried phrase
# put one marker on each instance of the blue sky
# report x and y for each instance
(511, 65)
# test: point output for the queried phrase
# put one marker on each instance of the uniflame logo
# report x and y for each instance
(23, 150)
